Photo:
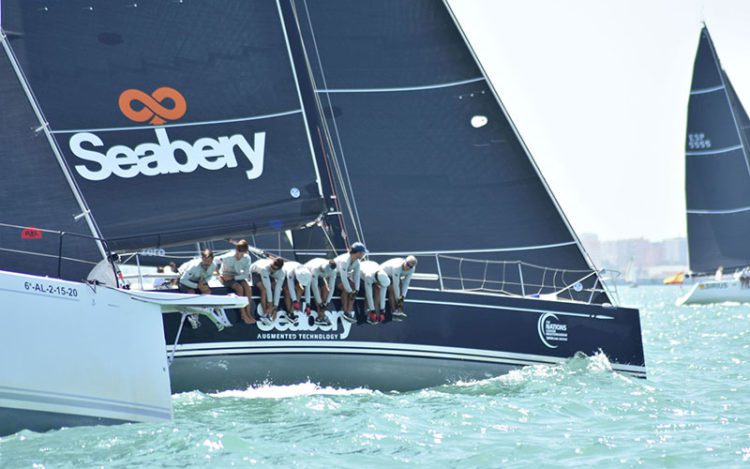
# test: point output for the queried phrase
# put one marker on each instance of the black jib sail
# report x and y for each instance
(177, 123)
(717, 169)
(34, 191)
(430, 163)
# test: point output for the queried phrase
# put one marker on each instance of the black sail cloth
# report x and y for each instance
(178, 124)
(432, 162)
(717, 170)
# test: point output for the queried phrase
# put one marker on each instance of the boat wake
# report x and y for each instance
(541, 379)
(270, 391)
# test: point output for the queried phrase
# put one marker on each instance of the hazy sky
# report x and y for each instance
(599, 90)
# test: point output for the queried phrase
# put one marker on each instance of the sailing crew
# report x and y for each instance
(234, 270)
(323, 273)
(347, 269)
(197, 273)
(268, 278)
(298, 279)
(400, 271)
(376, 279)
(195, 276)
(744, 277)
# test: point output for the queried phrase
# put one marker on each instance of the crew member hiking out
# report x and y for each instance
(268, 278)
(234, 270)
(400, 271)
(375, 279)
(347, 268)
(297, 282)
(196, 274)
(323, 277)
(195, 277)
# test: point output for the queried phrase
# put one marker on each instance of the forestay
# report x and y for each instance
(177, 124)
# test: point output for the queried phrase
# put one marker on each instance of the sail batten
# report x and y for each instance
(184, 124)
(401, 89)
(717, 151)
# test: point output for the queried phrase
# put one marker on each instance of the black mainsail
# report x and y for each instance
(178, 124)
(717, 168)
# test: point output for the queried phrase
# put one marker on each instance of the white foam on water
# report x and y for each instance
(269, 391)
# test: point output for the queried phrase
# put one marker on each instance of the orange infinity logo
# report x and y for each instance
(152, 109)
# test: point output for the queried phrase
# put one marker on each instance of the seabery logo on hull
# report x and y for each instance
(163, 156)
(280, 329)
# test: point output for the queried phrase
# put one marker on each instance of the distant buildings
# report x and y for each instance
(639, 258)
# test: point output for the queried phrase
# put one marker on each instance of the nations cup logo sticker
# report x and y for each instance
(153, 109)
(551, 330)
(160, 154)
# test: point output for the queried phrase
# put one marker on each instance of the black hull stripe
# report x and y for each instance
(291, 349)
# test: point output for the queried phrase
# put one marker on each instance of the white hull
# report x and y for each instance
(77, 354)
(74, 353)
(713, 291)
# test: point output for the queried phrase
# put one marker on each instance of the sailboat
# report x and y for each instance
(631, 276)
(306, 126)
(716, 156)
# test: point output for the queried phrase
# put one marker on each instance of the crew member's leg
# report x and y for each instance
(379, 307)
(261, 292)
(344, 297)
(272, 307)
(287, 298)
(247, 291)
(391, 298)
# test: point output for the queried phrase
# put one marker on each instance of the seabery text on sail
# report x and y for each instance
(153, 159)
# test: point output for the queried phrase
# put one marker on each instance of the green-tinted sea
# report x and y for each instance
(692, 411)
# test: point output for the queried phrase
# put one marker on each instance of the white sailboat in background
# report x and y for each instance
(631, 274)
(717, 184)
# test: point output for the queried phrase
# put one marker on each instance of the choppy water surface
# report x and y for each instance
(694, 410)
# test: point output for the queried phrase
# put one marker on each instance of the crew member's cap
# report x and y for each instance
(411, 261)
(383, 279)
(359, 247)
(303, 275)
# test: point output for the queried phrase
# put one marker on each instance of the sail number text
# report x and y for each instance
(698, 141)
(51, 289)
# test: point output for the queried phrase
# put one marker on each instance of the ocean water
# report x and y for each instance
(692, 411)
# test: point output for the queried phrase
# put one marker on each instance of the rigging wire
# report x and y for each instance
(340, 173)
